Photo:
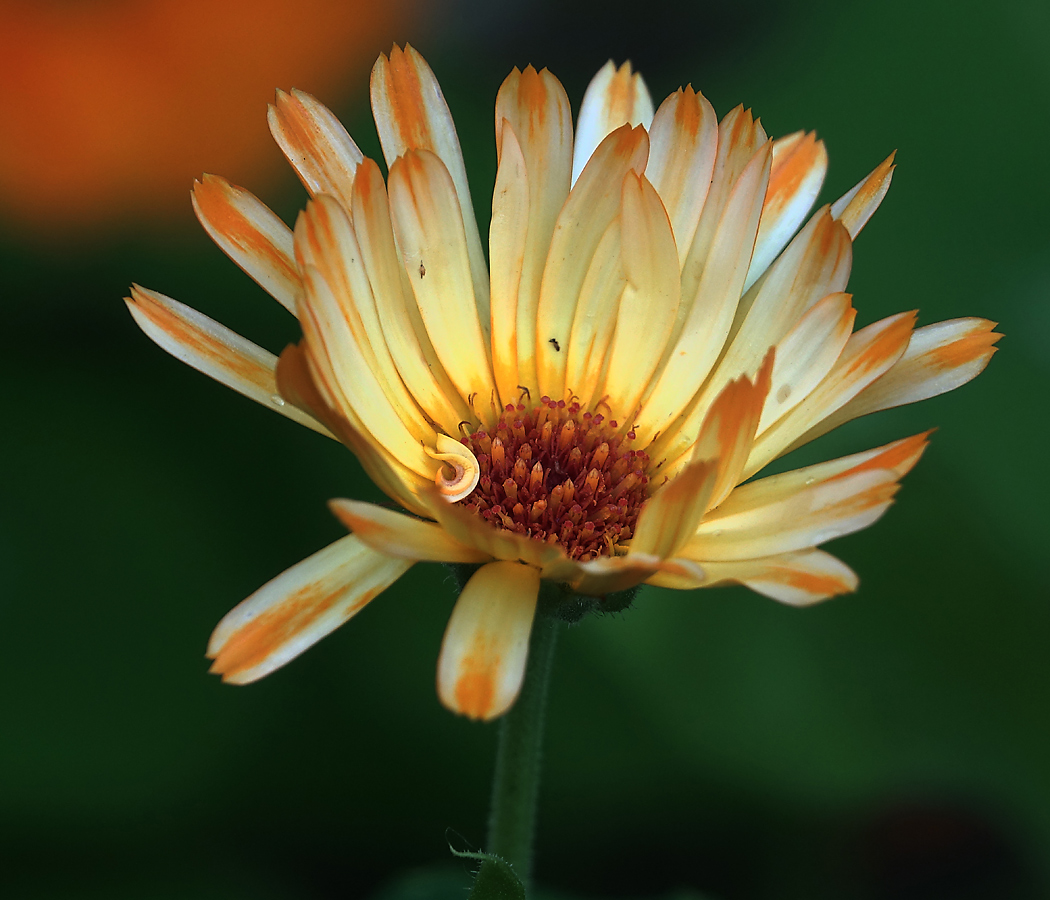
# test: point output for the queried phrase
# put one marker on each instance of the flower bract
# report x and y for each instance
(660, 315)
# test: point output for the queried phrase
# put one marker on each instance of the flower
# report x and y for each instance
(652, 329)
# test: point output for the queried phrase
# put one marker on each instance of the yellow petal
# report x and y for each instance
(868, 354)
(592, 205)
(939, 358)
(534, 145)
(346, 381)
(300, 388)
(251, 235)
(777, 515)
(401, 325)
(460, 472)
(429, 231)
(800, 578)
(615, 97)
(325, 240)
(411, 114)
(404, 537)
(298, 608)
(486, 644)
(800, 163)
(316, 144)
(213, 349)
(684, 144)
(711, 312)
(650, 297)
(671, 516)
(856, 206)
(807, 353)
(593, 324)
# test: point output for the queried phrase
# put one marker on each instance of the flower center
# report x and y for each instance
(560, 475)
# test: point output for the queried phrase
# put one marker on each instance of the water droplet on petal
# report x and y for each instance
(277, 399)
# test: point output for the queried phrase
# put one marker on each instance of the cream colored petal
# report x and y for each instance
(856, 206)
(800, 163)
(411, 114)
(816, 263)
(684, 144)
(587, 350)
(300, 388)
(775, 515)
(650, 297)
(534, 146)
(298, 608)
(325, 240)
(316, 144)
(939, 358)
(213, 349)
(740, 137)
(800, 578)
(429, 232)
(472, 530)
(671, 516)
(868, 354)
(251, 235)
(404, 537)
(615, 97)
(711, 312)
(807, 353)
(400, 323)
(729, 428)
(486, 644)
(592, 205)
(508, 234)
(347, 381)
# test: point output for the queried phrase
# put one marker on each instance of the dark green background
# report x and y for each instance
(890, 744)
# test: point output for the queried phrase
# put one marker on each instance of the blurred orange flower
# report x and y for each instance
(113, 108)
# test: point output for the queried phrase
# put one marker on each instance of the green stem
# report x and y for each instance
(515, 783)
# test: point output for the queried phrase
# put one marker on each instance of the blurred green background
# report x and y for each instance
(890, 744)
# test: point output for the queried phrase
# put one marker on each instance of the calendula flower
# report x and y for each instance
(652, 328)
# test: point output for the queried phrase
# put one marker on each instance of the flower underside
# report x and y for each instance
(558, 474)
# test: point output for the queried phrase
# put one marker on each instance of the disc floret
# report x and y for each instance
(559, 474)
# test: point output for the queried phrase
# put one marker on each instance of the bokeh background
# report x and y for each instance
(890, 744)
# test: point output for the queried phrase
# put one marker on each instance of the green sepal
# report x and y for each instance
(495, 879)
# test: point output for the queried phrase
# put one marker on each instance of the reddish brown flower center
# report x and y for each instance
(560, 475)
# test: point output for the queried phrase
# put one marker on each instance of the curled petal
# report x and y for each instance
(463, 465)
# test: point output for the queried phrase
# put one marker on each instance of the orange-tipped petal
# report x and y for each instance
(868, 354)
(615, 97)
(593, 203)
(800, 578)
(939, 358)
(486, 644)
(395, 534)
(651, 295)
(534, 147)
(856, 206)
(213, 349)
(411, 114)
(428, 227)
(777, 515)
(800, 162)
(684, 144)
(251, 235)
(670, 517)
(316, 144)
(298, 608)
(712, 310)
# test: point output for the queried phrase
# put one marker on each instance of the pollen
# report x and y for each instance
(559, 474)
